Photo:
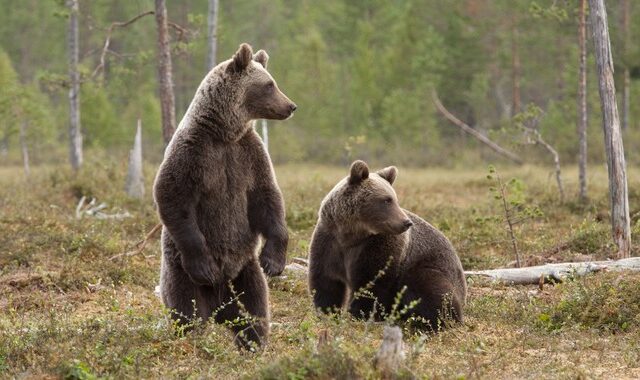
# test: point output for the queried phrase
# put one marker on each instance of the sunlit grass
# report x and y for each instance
(69, 310)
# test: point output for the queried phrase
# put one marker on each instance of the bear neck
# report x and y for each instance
(216, 112)
(350, 235)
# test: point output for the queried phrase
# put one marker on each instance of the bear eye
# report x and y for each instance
(388, 200)
(270, 85)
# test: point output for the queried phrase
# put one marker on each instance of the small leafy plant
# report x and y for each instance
(510, 194)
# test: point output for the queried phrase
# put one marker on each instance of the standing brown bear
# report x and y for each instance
(217, 194)
(365, 243)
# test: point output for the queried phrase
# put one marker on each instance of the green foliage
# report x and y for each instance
(77, 371)
(554, 11)
(610, 303)
(356, 70)
(22, 104)
(589, 238)
(100, 123)
(330, 362)
(514, 208)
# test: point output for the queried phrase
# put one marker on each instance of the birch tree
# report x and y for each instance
(515, 71)
(611, 125)
(24, 149)
(165, 80)
(212, 39)
(582, 100)
(134, 186)
(626, 82)
(75, 134)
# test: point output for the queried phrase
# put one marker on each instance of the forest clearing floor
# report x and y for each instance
(69, 310)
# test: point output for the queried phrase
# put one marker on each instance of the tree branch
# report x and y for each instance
(482, 138)
(556, 162)
(107, 40)
(141, 244)
(182, 31)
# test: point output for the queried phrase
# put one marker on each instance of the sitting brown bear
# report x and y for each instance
(217, 195)
(364, 240)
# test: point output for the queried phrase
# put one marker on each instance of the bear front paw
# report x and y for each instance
(272, 266)
(201, 271)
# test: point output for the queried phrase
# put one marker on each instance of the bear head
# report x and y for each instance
(365, 203)
(261, 98)
(239, 90)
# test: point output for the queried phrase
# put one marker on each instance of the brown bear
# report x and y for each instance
(365, 249)
(217, 195)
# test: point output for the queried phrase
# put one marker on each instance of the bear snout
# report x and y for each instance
(399, 227)
(290, 108)
(406, 225)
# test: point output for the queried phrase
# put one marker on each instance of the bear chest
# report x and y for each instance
(227, 173)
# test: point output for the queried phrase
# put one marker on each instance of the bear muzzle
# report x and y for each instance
(292, 108)
(405, 225)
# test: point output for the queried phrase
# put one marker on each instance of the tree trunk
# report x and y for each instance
(212, 40)
(265, 134)
(582, 101)
(553, 272)
(515, 72)
(626, 83)
(135, 183)
(75, 134)
(167, 98)
(24, 148)
(627, 79)
(4, 144)
(390, 355)
(611, 125)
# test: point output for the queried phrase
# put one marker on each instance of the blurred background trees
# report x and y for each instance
(360, 71)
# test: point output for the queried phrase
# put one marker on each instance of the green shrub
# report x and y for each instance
(328, 363)
(590, 238)
(608, 302)
(77, 371)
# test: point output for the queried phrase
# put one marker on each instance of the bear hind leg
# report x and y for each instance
(177, 291)
(328, 295)
(245, 307)
(435, 298)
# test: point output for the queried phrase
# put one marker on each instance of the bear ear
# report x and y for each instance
(241, 58)
(389, 173)
(261, 57)
(359, 172)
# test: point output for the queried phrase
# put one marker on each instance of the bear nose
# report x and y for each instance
(293, 107)
(407, 224)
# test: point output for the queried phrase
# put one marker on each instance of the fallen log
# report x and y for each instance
(553, 272)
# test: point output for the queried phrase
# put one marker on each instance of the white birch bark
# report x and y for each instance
(582, 102)
(212, 36)
(165, 78)
(24, 148)
(135, 181)
(75, 134)
(611, 125)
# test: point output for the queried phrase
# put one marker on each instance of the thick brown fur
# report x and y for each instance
(364, 241)
(217, 194)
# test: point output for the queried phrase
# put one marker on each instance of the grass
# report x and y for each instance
(71, 312)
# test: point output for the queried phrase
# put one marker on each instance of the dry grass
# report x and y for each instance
(71, 312)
